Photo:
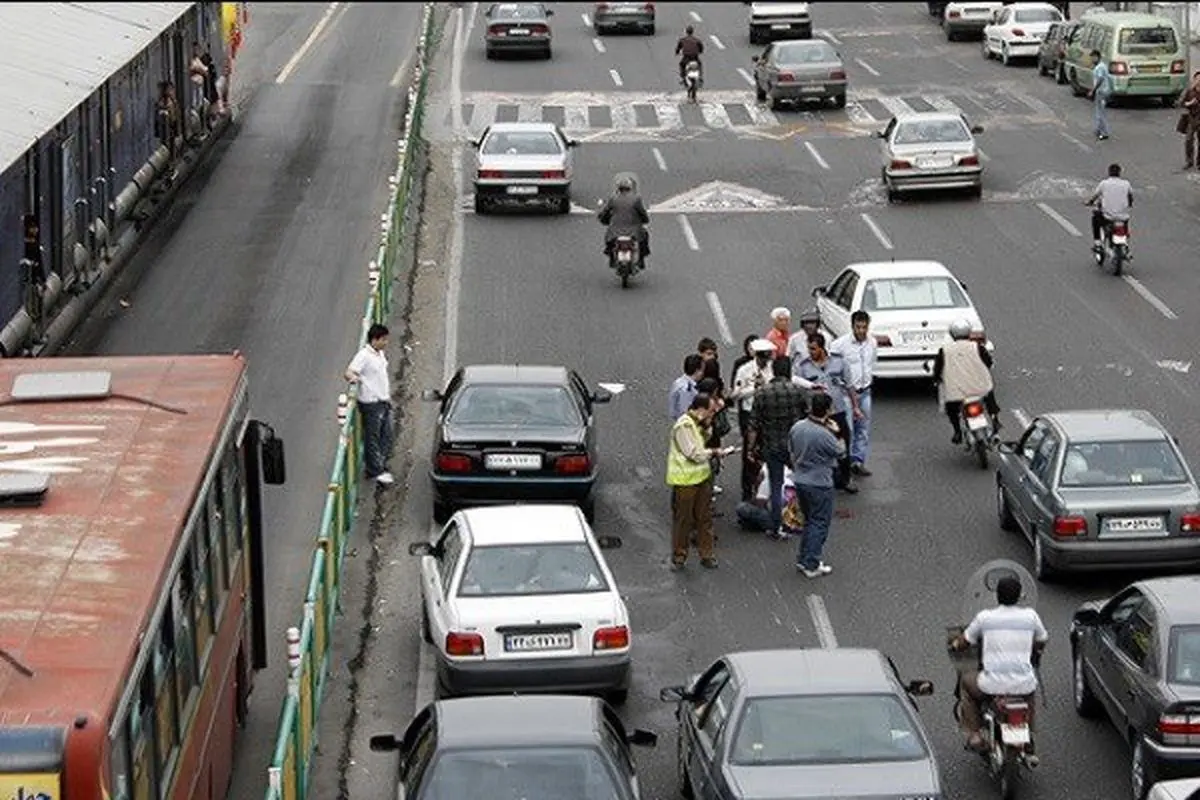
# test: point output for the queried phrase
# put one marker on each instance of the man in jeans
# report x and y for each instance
(815, 448)
(369, 371)
(1102, 89)
(777, 407)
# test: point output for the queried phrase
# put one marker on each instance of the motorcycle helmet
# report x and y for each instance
(960, 329)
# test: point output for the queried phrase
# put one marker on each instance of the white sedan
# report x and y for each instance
(520, 599)
(1017, 31)
(521, 163)
(911, 304)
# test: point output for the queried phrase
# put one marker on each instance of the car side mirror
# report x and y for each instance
(1007, 448)
(609, 542)
(385, 743)
(602, 396)
(572, 143)
(475, 143)
(818, 291)
(976, 129)
(880, 135)
(642, 738)
(1086, 617)
(431, 396)
(919, 688)
(422, 549)
(549, 12)
(673, 694)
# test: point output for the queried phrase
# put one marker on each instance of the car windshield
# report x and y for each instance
(810, 52)
(518, 12)
(496, 404)
(1184, 663)
(907, 294)
(931, 131)
(1036, 15)
(522, 143)
(835, 729)
(533, 569)
(526, 773)
(1147, 42)
(1121, 464)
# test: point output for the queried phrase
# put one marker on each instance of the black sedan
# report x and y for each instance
(1137, 661)
(516, 748)
(509, 433)
(802, 724)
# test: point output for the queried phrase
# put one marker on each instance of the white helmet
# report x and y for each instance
(960, 329)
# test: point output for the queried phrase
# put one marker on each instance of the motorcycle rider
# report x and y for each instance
(963, 369)
(1013, 638)
(689, 48)
(1115, 196)
(625, 215)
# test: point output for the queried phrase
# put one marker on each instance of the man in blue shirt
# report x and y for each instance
(815, 448)
(824, 371)
(684, 390)
(1102, 89)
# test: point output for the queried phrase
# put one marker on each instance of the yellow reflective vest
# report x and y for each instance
(682, 471)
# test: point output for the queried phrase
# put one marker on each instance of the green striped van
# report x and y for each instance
(1144, 52)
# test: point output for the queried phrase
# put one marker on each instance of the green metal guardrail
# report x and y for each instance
(308, 645)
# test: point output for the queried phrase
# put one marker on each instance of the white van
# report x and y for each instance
(1183, 789)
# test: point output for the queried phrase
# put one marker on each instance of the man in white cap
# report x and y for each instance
(781, 330)
(749, 378)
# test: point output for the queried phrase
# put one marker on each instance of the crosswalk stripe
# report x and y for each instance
(529, 112)
(668, 115)
(894, 105)
(576, 118)
(714, 115)
(484, 115)
(623, 117)
(943, 104)
(762, 115)
(858, 115)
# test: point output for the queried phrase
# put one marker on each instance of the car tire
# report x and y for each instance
(773, 102)
(1007, 521)
(1060, 76)
(548, 54)
(950, 34)
(651, 29)
(1141, 773)
(1086, 703)
(760, 94)
(987, 53)
(426, 633)
(1005, 56)
(754, 37)
(617, 697)
(588, 507)
(976, 192)
(1041, 567)
(839, 101)
(489, 53)
(442, 511)
(563, 206)
(1043, 70)
(1170, 100)
(481, 206)
(596, 29)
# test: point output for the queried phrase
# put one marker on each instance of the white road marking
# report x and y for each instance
(299, 55)
(398, 77)
(1084, 147)
(1021, 416)
(958, 65)
(1149, 297)
(720, 45)
(878, 231)
(714, 303)
(829, 37)
(587, 20)
(1060, 219)
(688, 233)
(616, 77)
(746, 76)
(658, 158)
(812, 151)
(866, 66)
(695, 17)
(820, 618)
(599, 45)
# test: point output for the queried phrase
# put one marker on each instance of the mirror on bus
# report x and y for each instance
(274, 465)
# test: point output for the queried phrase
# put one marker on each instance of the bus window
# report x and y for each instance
(202, 598)
(184, 635)
(235, 510)
(118, 765)
(216, 535)
(165, 718)
(141, 732)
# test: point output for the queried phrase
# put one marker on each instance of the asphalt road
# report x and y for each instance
(265, 251)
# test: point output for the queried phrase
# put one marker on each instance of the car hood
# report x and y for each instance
(550, 434)
(778, 9)
(539, 609)
(932, 148)
(1129, 498)
(509, 162)
(836, 781)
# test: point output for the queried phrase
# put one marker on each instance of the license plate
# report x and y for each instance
(518, 31)
(934, 163)
(1133, 524)
(922, 337)
(537, 642)
(1116, 239)
(975, 423)
(1149, 68)
(526, 461)
(521, 190)
(812, 89)
(782, 27)
(625, 256)
(1014, 734)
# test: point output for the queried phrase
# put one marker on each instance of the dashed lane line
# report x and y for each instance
(717, 42)
(812, 151)
(587, 20)
(616, 77)
(298, 56)
(1063, 222)
(599, 45)
(714, 304)
(688, 233)
(1084, 147)
(878, 231)
(1149, 297)
(867, 67)
(746, 76)
(695, 17)
(1021, 416)
(658, 158)
(820, 618)
(829, 37)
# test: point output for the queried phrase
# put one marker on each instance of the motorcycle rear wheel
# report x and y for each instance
(981, 453)
(1009, 774)
(1118, 261)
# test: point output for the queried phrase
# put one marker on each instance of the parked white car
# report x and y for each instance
(1018, 30)
(911, 304)
(963, 19)
(520, 599)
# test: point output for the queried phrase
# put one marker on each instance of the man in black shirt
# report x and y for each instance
(777, 407)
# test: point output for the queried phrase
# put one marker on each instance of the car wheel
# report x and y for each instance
(650, 29)
(1170, 100)
(773, 102)
(976, 192)
(760, 94)
(685, 783)
(754, 37)
(1041, 568)
(442, 511)
(617, 697)
(1007, 522)
(489, 53)
(1061, 75)
(480, 204)
(548, 54)
(588, 507)
(839, 101)
(1043, 70)
(426, 633)
(1086, 704)
(1005, 56)
(563, 206)
(1141, 776)
(950, 34)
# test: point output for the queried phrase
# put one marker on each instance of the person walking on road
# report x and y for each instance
(781, 330)
(826, 372)
(1190, 123)
(857, 349)
(815, 446)
(1102, 89)
(778, 406)
(689, 474)
(369, 371)
(750, 377)
(683, 390)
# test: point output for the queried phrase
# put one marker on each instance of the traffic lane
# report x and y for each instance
(277, 32)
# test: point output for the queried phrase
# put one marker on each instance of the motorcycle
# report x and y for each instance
(1007, 733)
(625, 255)
(691, 79)
(978, 431)
(1114, 246)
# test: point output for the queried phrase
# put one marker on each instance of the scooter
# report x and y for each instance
(691, 80)
(978, 433)
(1114, 246)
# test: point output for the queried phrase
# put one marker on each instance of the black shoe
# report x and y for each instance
(861, 471)
(850, 488)
(708, 563)
(956, 439)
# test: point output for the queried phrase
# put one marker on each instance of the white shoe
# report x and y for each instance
(821, 571)
(385, 478)
(717, 489)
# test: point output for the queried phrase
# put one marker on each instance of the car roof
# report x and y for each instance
(491, 526)
(1031, 5)
(1123, 19)
(515, 373)
(515, 721)
(929, 116)
(522, 127)
(872, 270)
(812, 671)
(1177, 594)
(1108, 425)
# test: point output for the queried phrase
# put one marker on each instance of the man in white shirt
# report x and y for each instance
(1113, 200)
(368, 370)
(1011, 639)
(857, 349)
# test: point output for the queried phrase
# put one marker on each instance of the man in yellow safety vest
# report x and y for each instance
(689, 474)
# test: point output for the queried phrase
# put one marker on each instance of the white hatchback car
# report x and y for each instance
(520, 599)
(1018, 30)
(911, 304)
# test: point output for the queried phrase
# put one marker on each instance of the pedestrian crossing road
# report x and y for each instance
(639, 116)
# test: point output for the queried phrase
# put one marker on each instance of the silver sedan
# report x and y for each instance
(800, 71)
(623, 16)
(518, 28)
(1099, 489)
(523, 162)
(930, 150)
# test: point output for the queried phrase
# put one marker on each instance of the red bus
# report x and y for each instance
(131, 581)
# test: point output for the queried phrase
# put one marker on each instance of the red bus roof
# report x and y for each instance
(80, 574)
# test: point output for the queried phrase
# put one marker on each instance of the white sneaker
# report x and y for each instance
(821, 571)
(717, 489)
(385, 478)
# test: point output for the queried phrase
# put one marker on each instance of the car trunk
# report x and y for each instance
(932, 156)
(530, 168)
(1116, 513)
(843, 781)
(921, 331)
(511, 449)
(806, 72)
(539, 626)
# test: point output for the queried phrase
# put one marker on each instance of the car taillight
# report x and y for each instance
(1018, 32)
(969, 161)
(573, 465)
(1179, 729)
(491, 173)
(554, 173)
(786, 76)
(1190, 523)
(648, 6)
(1067, 527)
(1118, 68)
(1178, 67)
(540, 29)
(464, 644)
(616, 638)
(973, 409)
(497, 30)
(978, 336)
(837, 75)
(900, 163)
(453, 462)
(953, 14)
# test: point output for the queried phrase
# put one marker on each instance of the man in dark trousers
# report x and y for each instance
(777, 407)
(815, 447)
(689, 48)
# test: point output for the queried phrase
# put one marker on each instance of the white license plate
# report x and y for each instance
(1119, 240)
(922, 337)
(537, 642)
(935, 163)
(526, 461)
(1149, 68)
(812, 89)
(1014, 734)
(518, 32)
(1133, 524)
(782, 27)
(521, 190)
(625, 256)
(975, 423)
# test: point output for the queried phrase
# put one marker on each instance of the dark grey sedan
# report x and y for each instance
(800, 71)
(518, 28)
(1137, 661)
(775, 724)
(1099, 489)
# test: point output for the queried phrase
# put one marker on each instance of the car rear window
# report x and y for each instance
(524, 570)
(519, 12)
(1036, 15)
(1184, 662)
(529, 773)
(831, 729)
(903, 294)
(496, 404)
(932, 131)
(1093, 464)
(1147, 41)
(522, 143)
(810, 52)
